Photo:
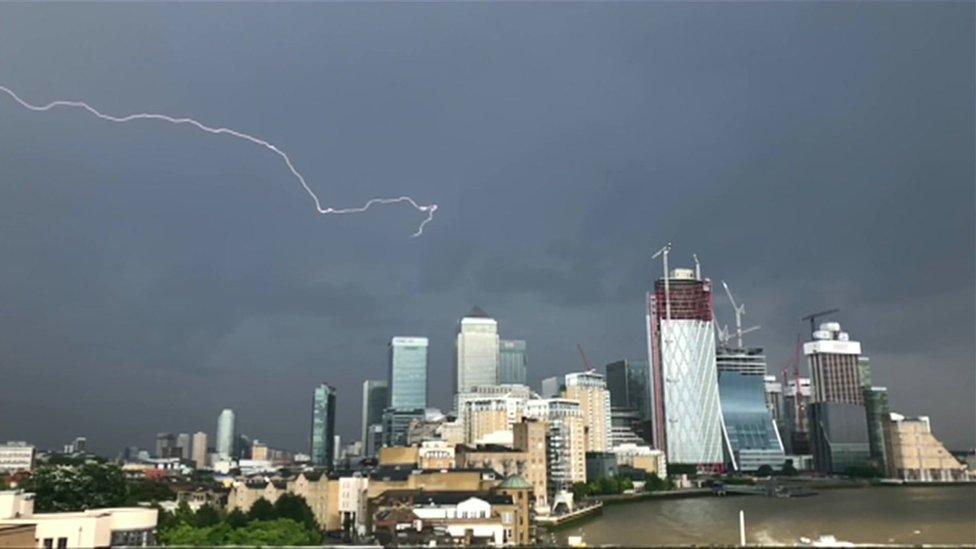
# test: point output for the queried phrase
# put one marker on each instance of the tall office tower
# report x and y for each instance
(408, 373)
(876, 408)
(838, 419)
(749, 361)
(796, 417)
(226, 434)
(476, 357)
(551, 387)
(833, 360)
(629, 384)
(183, 443)
(511, 361)
(200, 449)
(566, 446)
(590, 390)
(396, 425)
(322, 441)
(374, 439)
(375, 397)
(774, 399)
(336, 448)
(687, 412)
(751, 438)
(864, 371)
(166, 445)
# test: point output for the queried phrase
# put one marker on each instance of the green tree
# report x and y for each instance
(186, 534)
(89, 486)
(261, 510)
(149, 490)
(863, 471)
(236, 519)
(184, 515)
(678, 469)
(788, 469)
(205, 516)
(764, 471)
(294, 507)
(273, 532)
(580, 490)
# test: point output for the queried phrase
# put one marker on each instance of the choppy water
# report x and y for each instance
(915, 515)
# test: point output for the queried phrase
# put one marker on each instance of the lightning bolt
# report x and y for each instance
(427, 209)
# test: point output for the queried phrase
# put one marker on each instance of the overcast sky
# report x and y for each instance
(813, 155)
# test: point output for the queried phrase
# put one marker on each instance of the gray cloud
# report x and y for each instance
(813, 155)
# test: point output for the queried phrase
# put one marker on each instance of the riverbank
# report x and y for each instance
(873, 515)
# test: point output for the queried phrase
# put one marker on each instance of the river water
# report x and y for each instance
(915, 515)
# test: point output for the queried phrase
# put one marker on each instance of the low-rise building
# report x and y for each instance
(132, 526)
(435, 454)
(639, 456)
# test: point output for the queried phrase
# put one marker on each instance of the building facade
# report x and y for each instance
(687, 412)
(630, 386)
(16, 456)
(914, 454)
(838, 436)
(322, 438)
(476, 351)
(375, 397)
(511, 361)
(226, 434)
(565, 441)
(408, 373)
(834, 365)
(590, 390)
(876, 408)
(749, 361)
(751, 438)
(200, 449)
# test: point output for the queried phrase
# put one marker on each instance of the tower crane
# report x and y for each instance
(814, 316)
(739, 310)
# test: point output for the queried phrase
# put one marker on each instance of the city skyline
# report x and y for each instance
(812, 155)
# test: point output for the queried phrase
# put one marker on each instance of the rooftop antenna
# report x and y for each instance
(697, 267)
(739, 311)
(667, 293)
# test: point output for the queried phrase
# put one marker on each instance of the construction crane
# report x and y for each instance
(586, 361)
(813, 318)
(667, 290)
(739, 311)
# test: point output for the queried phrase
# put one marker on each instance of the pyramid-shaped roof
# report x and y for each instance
(476, 312)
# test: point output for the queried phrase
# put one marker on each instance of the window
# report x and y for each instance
(62, 543)
(48, 543)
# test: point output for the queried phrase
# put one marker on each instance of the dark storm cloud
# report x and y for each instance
(812, 155)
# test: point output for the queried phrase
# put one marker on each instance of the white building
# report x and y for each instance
(16, 456)
(641, 456)
(200, 449)
(353, 501)
(833, 359)
(681, 333)
(472, 516)
(226, 434)
(476, 358)
(550, 387)
(132, 526)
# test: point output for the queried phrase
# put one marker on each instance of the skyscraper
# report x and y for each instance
(838, 419)
(322, 444)
(876, 408)
(408, 373)
(511, 356)
(200, 449)
(834, 365)
(629, 384)
(750, 361)
(166, 445)
(375, 397)
(796, 415)
(226, 434)
(183, 443)
(566, 446)
(551, 387)
(687, 414)
(750, 434)
(476, 357)
(590, 390)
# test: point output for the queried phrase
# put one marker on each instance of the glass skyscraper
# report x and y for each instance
(323, 425)
(629, 386)
(375, 397)
(750, 435)
(511, 365)
(226, 434)
(408, 373)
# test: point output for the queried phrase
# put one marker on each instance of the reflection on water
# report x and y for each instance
(867, 515)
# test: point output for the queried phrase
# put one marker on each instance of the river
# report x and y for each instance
(915, 515)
